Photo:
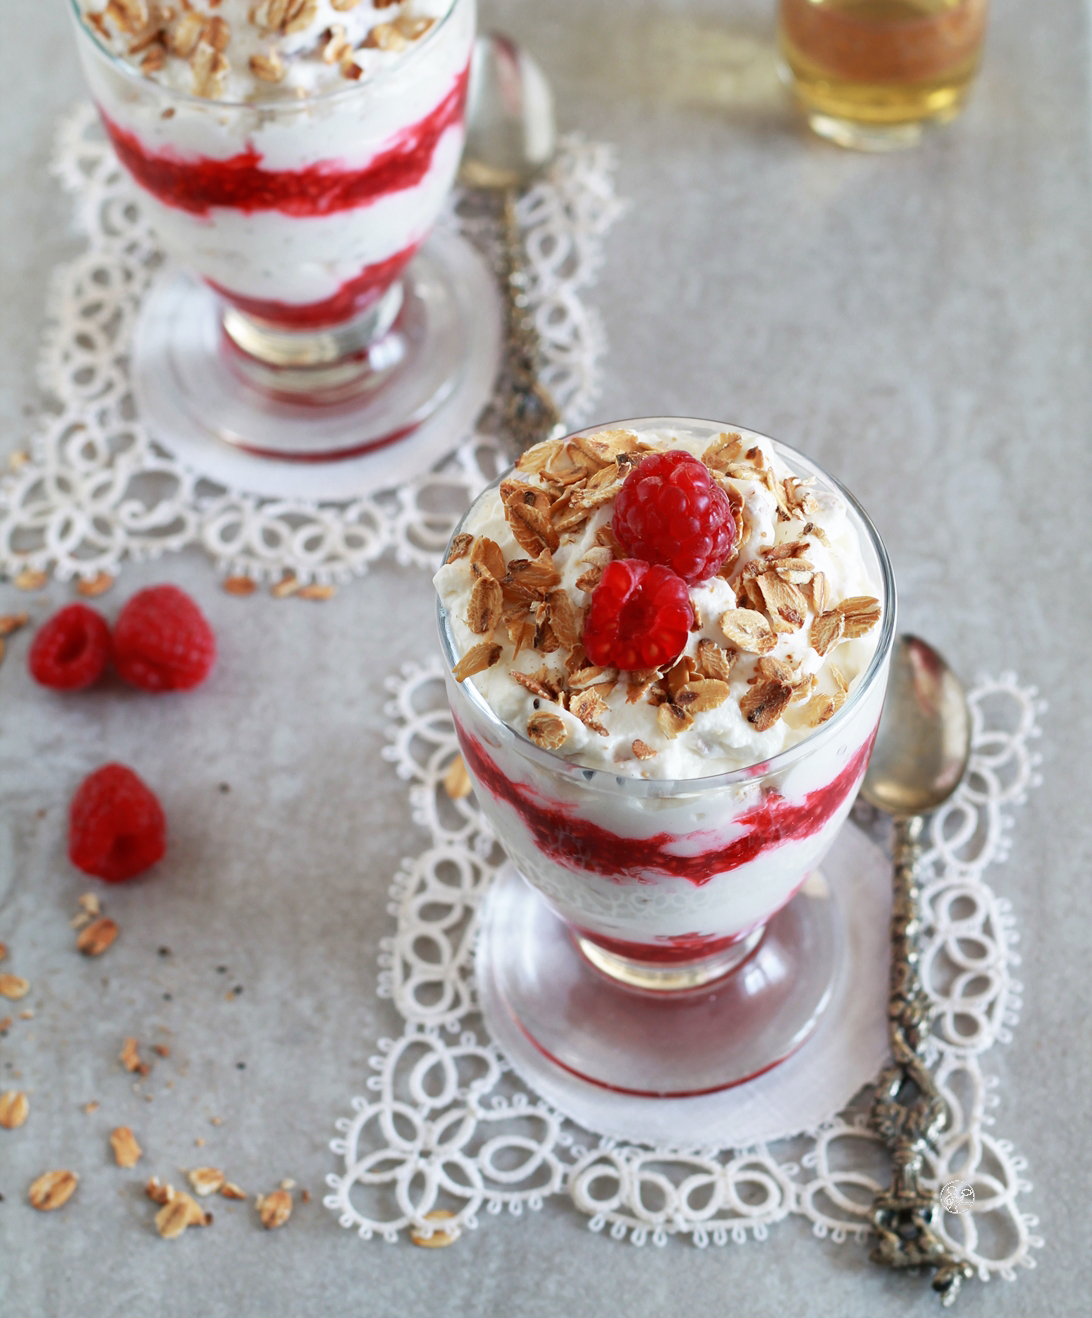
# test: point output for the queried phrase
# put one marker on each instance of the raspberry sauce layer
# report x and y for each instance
(240, 183)
(352, 298)
(577, 844)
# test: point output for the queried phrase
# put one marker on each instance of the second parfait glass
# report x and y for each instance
(663, 937)
(304, 316)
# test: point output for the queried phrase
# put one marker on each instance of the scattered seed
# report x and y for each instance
(52, 1190)
(13, 1109)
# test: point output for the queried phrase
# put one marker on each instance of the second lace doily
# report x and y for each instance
(446, 1124)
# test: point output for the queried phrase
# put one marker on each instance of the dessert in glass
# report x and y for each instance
(667, 644)
(294, 155)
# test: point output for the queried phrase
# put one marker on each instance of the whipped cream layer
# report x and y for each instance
(787, 629)
(260, 50)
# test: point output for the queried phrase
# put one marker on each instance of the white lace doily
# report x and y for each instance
(447, 1124)
(98, 489)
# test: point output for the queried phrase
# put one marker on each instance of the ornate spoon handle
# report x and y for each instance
(530, 413)
(908, 1111)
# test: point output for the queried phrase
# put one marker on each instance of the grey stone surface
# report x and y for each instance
(918, 323)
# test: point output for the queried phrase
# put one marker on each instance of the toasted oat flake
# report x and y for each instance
(672, 720)
(861, 613)
(486, 554)
(456, 780)
(764, 703)
(97, 937)
(546, 730)
(13, 1109)
(179, 1212)
(89, 902)
(91, 587)
(186, 33)
(826, 631)
(589, 707)
(434, 1237)
(820, 592)
(317, 592)
(130, 1057)
(30, 579)
(206, 1180)
(714, 662)
(785, 604)
(127, 1151)
(157, 1192)
(268, 67)
(52, 1190)
(563, 619)
(14, 987)
(11, 622)
(459, 547)
(274, 1209)
(748, 630)
(484, 609)
(288, 585)
(229, 1190)
(698, 696)
(385, 36)
(240, 585)
(820, 708)
(93, 1106)
(476, 660)
(642, 750)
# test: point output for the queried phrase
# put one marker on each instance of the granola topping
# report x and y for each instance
(781, 634)
(254, 49)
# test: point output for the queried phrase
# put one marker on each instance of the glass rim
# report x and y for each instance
(604, 780)
(274, 104)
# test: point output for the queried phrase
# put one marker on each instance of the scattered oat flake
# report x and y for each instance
(97, 937)
(305, 1196)
(216, 1121)
(93, 1106)
(13, 1109)
(127, 1152)
(161, 1049)
(3, 951)
(91, 587)
(130, 1056)
(11, 622)
(179, 1212)
(5, 1024)
(240, 585)
(157, 1192)
(206, 1180)
(274, 1209)
(229, 1190)
(286, 586)
(14, 987)
(90, 903)
(52, 1190)
(436, 1238)
(30, 579)
(288, 1183)
(457, 782)
(27, 1015)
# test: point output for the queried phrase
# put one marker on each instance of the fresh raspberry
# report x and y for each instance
(671, 511)
(116, 827)
(639, 616)
(162, 641)
(71, 649)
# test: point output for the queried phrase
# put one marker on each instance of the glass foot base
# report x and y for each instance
(655, 1043)
(858, 136)
(194, 381)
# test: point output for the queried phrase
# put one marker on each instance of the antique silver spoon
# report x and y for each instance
(921, 754)
(511, 138)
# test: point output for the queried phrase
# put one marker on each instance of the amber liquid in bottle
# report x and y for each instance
(870, 68)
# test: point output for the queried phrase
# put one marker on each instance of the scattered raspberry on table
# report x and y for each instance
(71, 649)
(671, 511)
(116, 827)
(639, 616)
(162, 641)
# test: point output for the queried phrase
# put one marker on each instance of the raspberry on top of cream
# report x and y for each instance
(618, 663)
(252, 50)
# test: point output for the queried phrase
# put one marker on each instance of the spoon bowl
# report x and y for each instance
(924, 739)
